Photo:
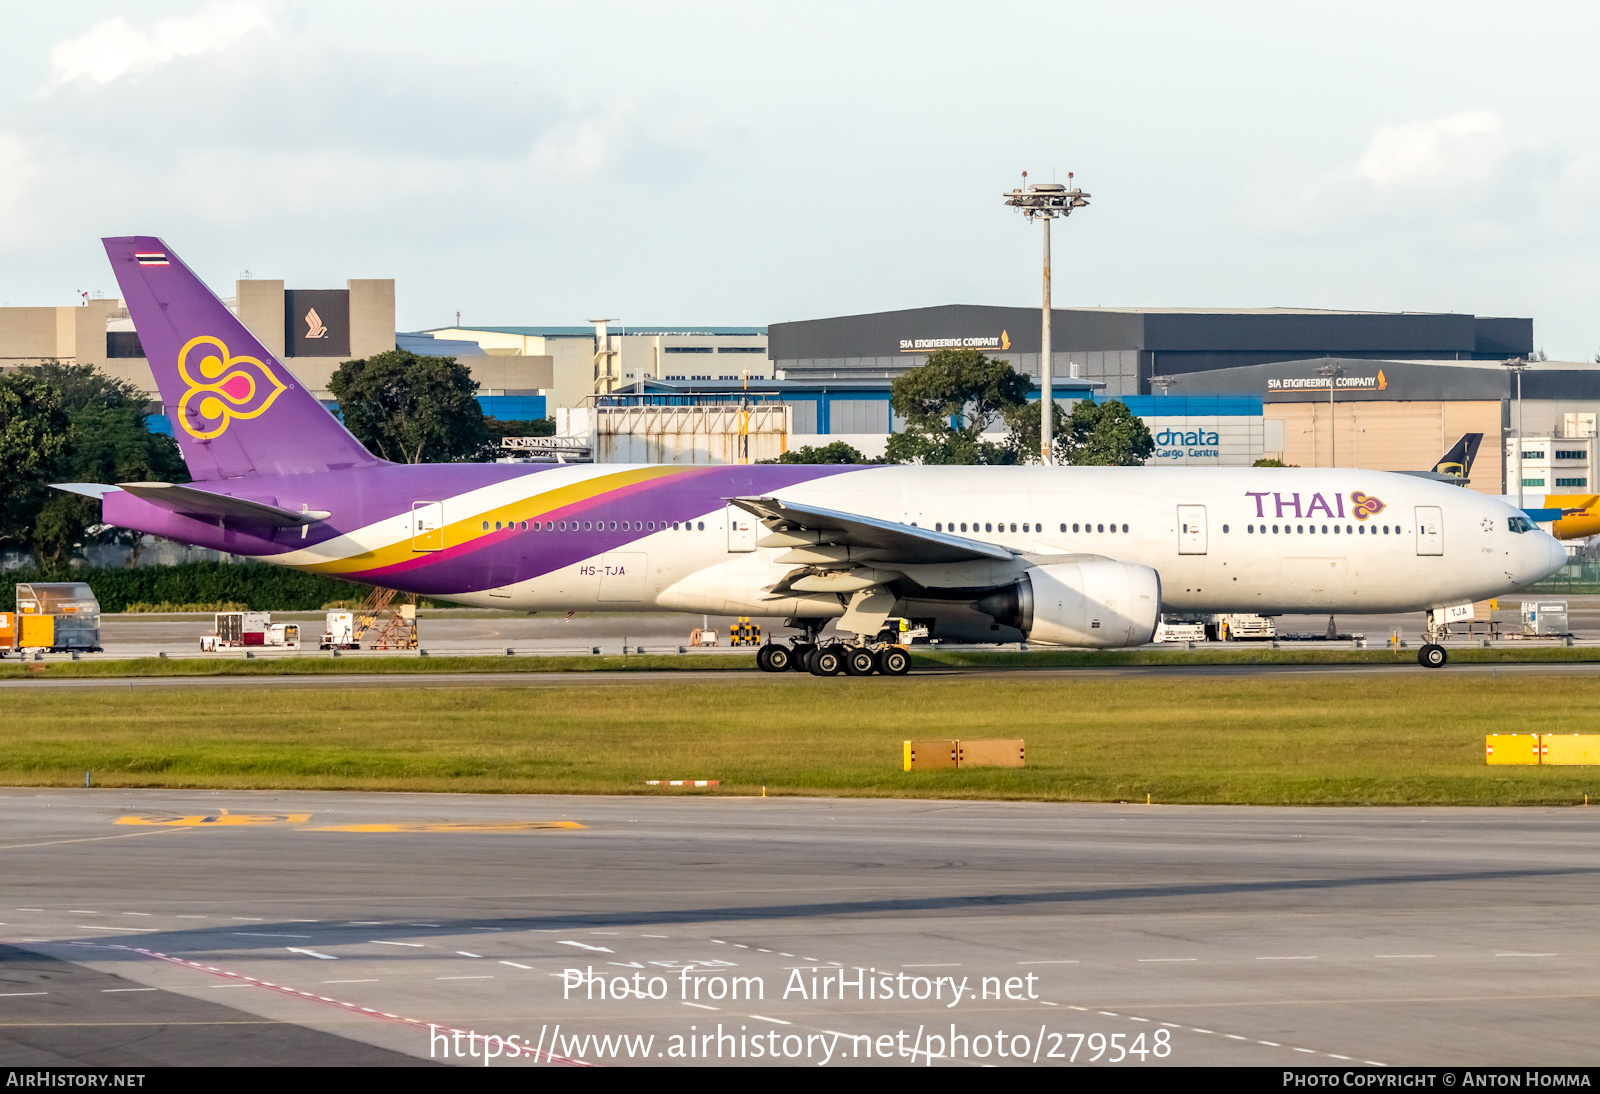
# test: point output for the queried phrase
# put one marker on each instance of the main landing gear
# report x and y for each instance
(832, 659)
(1432, 656)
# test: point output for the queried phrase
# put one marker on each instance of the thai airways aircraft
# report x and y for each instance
(1076, 556)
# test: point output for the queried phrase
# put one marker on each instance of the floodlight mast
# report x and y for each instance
(1046, 201)
(1517, 366)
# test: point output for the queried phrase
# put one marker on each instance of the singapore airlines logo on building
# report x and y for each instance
(314, 327)
(221, 387)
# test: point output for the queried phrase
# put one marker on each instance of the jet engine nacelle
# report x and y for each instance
(1097, 603)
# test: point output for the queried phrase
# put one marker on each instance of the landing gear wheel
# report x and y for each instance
(779, 658)
(1432, 656)
(894, 661)
(859, 661)
(802, 658)
(826, 661)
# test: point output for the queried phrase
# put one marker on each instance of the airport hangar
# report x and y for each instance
(1217, 387)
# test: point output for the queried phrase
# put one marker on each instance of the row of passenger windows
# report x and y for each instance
(1026, 527)
(598, 526)
(1311, 529)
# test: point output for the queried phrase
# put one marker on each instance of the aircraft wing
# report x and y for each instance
(888, 542)
(201, 503)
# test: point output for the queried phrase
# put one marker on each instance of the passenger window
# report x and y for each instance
(702, 526)
(1074, 527)
(1063, 526)
(485, 526)
(1250, 529)
(1100, 528)
(1125, 528)
(1274, 529)
(1335, 529)
(988, 527)
(963, 526)
(496, 526)
(1224, 529)
(1013, 527)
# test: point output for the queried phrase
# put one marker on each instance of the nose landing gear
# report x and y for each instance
(1432, 656)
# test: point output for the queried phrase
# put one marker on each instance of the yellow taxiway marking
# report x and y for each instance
(442, 826)
(218, 820)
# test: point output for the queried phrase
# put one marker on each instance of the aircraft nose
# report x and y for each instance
(1557, 554)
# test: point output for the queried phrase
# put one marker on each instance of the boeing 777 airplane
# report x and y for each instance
(1074, 556)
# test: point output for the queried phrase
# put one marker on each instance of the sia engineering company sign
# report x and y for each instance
(1001, 341)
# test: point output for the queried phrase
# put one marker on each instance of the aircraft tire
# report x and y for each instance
(779, 658)
(826, 661)
(860, 662)
(763, 659)
(802, 658)
(1432, 656)
(894, 661)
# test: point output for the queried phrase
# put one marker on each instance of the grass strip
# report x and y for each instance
(1300, 740)
(333, 666)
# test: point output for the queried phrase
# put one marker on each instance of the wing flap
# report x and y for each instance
(905, 544)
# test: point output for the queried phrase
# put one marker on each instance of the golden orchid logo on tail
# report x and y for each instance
(221, 387)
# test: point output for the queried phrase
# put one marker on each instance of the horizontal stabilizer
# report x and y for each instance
(87, 489)
(208, 506)
(902, 543)
(1437, 476)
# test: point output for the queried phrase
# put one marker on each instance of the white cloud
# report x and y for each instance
(1455, 150)
(113, 48)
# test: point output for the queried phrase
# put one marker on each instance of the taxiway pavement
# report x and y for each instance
(1273, 937)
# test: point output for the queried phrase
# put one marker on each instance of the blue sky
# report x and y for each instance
(748, 164)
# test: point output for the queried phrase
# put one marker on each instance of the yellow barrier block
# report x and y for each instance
(1567, 749)
(1511, 748)
(926, 755)
(997, 753)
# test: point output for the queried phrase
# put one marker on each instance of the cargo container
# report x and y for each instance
(1544, 618)
(58, 616)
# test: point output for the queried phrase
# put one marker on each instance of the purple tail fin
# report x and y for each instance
(235, 409)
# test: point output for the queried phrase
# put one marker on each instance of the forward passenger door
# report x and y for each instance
(1430, 530)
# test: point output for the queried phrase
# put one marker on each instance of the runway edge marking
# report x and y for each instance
(539, 1054)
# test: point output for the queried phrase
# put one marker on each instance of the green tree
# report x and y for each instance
(411, 409)
(1105, 435)
(536, 427)
(108, 441)
(34, 434)
(949, 403)
(833, 452)
(1273, 463)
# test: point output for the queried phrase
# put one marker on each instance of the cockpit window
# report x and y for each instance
(1522, 524)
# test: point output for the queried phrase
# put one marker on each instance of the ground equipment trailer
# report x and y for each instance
(250, 630)
(56, 616)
